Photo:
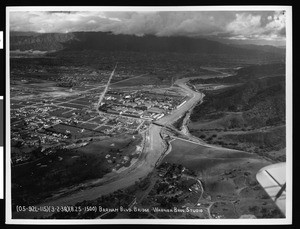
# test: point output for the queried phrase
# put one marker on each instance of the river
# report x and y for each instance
(153, 150)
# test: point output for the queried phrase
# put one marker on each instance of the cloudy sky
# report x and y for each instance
(256, 27)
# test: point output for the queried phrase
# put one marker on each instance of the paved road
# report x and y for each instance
(153, 150)
(106, 87)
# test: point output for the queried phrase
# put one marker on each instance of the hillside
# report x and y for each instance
(260, 94)
(247, 115)
(42, 42)
(247, 74)
(266, 48)
(106, 41)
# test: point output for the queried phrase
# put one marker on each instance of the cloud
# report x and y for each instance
(245, 24)
(250, 26)
(278, 22)
(157, 23)
(228, 25)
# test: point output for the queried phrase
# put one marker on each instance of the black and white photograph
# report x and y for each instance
(149, 115)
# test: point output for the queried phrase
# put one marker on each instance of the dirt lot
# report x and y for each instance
(74, 131)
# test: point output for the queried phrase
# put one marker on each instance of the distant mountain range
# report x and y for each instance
(107, 41)
(36, 41)
(265, 48)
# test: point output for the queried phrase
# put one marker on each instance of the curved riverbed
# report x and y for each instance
(153, 150)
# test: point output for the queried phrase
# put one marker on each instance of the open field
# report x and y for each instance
(74, 131)
(231, 131)
(157, 80)
(201, 158)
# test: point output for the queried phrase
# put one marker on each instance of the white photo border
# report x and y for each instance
(289, 133)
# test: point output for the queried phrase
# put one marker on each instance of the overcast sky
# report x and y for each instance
(257, 27)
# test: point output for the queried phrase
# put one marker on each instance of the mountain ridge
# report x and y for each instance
(108, 41)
